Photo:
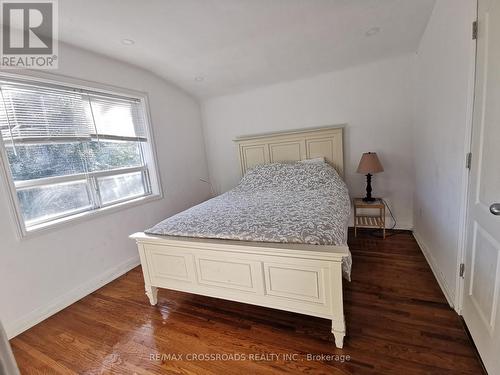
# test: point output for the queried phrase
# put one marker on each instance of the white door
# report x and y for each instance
(482, 273)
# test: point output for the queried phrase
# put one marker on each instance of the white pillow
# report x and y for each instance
(314, 160)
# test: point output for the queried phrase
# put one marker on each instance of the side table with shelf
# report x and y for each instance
(365, 220)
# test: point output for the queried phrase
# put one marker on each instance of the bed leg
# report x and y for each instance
(338, 330)
(152, 293)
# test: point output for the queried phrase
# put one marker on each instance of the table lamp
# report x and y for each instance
(369, 164)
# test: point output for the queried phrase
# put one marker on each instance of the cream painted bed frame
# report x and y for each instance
(305, 279)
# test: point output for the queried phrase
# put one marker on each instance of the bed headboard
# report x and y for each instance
(294, 145)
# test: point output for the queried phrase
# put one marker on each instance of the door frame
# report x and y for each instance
(466, 180)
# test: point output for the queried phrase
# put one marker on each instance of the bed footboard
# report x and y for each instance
(305, 279)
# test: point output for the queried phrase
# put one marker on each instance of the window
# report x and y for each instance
(72, 151)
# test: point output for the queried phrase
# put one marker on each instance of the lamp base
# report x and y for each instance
(368, 197)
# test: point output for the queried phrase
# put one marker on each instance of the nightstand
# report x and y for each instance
(369, 220)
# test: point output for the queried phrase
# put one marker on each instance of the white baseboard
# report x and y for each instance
(435, 269)
(36, 316)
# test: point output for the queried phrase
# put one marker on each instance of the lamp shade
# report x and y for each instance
(369, 163)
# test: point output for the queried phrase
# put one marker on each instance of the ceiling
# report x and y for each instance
(216, 47)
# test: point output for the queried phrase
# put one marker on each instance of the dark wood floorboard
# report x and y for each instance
(398, 322)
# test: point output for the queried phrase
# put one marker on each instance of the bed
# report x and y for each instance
(278, 239)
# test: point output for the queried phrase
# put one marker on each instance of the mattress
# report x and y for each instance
(305, 203)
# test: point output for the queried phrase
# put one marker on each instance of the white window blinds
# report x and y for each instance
(31, 113)
(117, 118)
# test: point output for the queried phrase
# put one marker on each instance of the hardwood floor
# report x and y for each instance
(398, 322)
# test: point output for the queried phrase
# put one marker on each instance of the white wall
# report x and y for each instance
(441, 134)
(375, 100)
(42, 274)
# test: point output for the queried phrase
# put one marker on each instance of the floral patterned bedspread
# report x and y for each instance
(304, 203)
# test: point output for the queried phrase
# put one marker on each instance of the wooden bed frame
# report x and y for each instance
(305, 279)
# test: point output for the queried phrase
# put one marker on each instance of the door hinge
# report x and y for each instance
(468, 160)
(474, 30)
(462, 270)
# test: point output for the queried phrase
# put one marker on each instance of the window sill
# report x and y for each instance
(87, 215)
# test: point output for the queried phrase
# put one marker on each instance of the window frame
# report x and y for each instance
(152, 184)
